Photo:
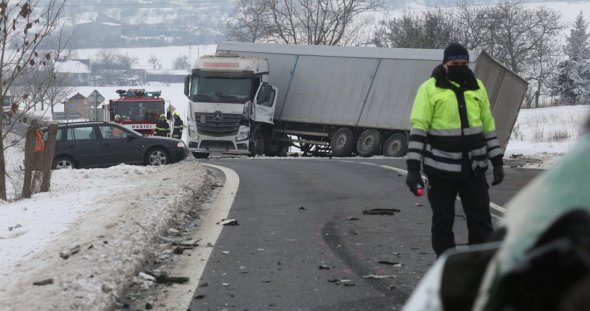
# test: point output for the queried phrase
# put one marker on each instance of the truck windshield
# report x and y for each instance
(139, 110)
(222, 89)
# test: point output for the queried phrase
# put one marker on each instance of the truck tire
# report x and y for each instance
(369, 143)
(201, 155)
(257, 146)
(342, 142)
(396, 145)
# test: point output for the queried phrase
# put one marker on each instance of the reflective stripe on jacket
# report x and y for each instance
(452, 128)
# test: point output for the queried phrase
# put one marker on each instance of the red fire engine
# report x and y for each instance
(138, 110)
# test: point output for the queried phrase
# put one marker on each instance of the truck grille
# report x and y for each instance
(218, 124)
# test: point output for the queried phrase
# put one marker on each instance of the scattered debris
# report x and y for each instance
(147, 276)
(381, 211)
(225, 252)
(199, 297)
(14, 227)
(352, 218)
(148, 306)
(387, 262)
(344, 282)
(302, 208)
(66, 254)
(43, 282)
(163, 278)
(204, 284)
(225, 284)
(324, 267)
(378, 276)
(217, 185)
(228, 222)
(209, 244)
(419, 204)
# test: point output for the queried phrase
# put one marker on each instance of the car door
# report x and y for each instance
(82, 144)
(120, 145)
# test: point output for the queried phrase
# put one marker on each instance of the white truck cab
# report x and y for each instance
(230, 104)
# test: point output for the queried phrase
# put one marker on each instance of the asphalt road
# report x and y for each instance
(303, 242)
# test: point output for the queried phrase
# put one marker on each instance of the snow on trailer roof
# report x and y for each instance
(337, 51)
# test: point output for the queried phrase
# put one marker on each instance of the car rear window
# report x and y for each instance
(81, 133)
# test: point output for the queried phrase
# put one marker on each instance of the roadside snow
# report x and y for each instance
(112, 214)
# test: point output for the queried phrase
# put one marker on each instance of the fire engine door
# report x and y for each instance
(265, 103)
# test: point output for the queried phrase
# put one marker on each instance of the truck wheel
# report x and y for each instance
(201, 155)
(157, 156)
(369, 143)
(342, 142)
(60, 163)
(396, 145)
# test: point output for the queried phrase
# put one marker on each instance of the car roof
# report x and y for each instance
(85, 123)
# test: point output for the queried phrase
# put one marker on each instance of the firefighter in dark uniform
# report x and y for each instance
(452, 137)
(162, 127)
(178, 125)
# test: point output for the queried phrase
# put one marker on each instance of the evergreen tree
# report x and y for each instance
(573, 80)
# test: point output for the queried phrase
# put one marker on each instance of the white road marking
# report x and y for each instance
(501, 210)
(179, 296)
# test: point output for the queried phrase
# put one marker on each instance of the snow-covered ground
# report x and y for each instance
(111, 216)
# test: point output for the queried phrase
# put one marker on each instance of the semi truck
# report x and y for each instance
(252, 98)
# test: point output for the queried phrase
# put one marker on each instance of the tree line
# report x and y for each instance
(523, 38)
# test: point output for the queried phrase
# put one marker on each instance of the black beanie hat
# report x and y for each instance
(455, 51)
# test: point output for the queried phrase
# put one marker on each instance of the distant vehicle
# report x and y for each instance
(139, 110)
(253, 98)
(102, 144)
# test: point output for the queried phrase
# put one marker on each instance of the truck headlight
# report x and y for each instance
(242, 136)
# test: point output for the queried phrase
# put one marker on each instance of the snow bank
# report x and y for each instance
(112, 215)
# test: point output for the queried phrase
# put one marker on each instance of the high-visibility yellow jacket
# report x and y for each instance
(452, 128)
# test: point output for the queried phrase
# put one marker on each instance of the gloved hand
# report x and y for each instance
(498, 175)
(413, 179)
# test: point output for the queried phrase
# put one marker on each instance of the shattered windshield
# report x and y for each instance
(221, 89)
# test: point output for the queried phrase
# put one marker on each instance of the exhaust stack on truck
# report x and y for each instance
(323, 99)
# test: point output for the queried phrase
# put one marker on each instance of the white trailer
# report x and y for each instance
(355, 100)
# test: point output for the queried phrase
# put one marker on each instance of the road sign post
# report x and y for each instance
(95, 98)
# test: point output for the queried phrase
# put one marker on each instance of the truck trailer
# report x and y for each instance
(253, 98)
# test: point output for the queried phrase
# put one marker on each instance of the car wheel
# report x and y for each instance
(60, 163)
(157, 156)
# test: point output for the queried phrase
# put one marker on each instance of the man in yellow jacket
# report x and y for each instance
(452, 137)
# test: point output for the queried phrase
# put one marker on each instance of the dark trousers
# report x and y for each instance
(476, 206)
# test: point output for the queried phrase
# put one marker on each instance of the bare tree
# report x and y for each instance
(430, 29)
(24, 26)
(544, 56)
(313, 22)
(154, 61)
(181, 62)
(251, 21)
(516, 33)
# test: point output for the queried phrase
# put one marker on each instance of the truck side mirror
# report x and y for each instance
(187, 84)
